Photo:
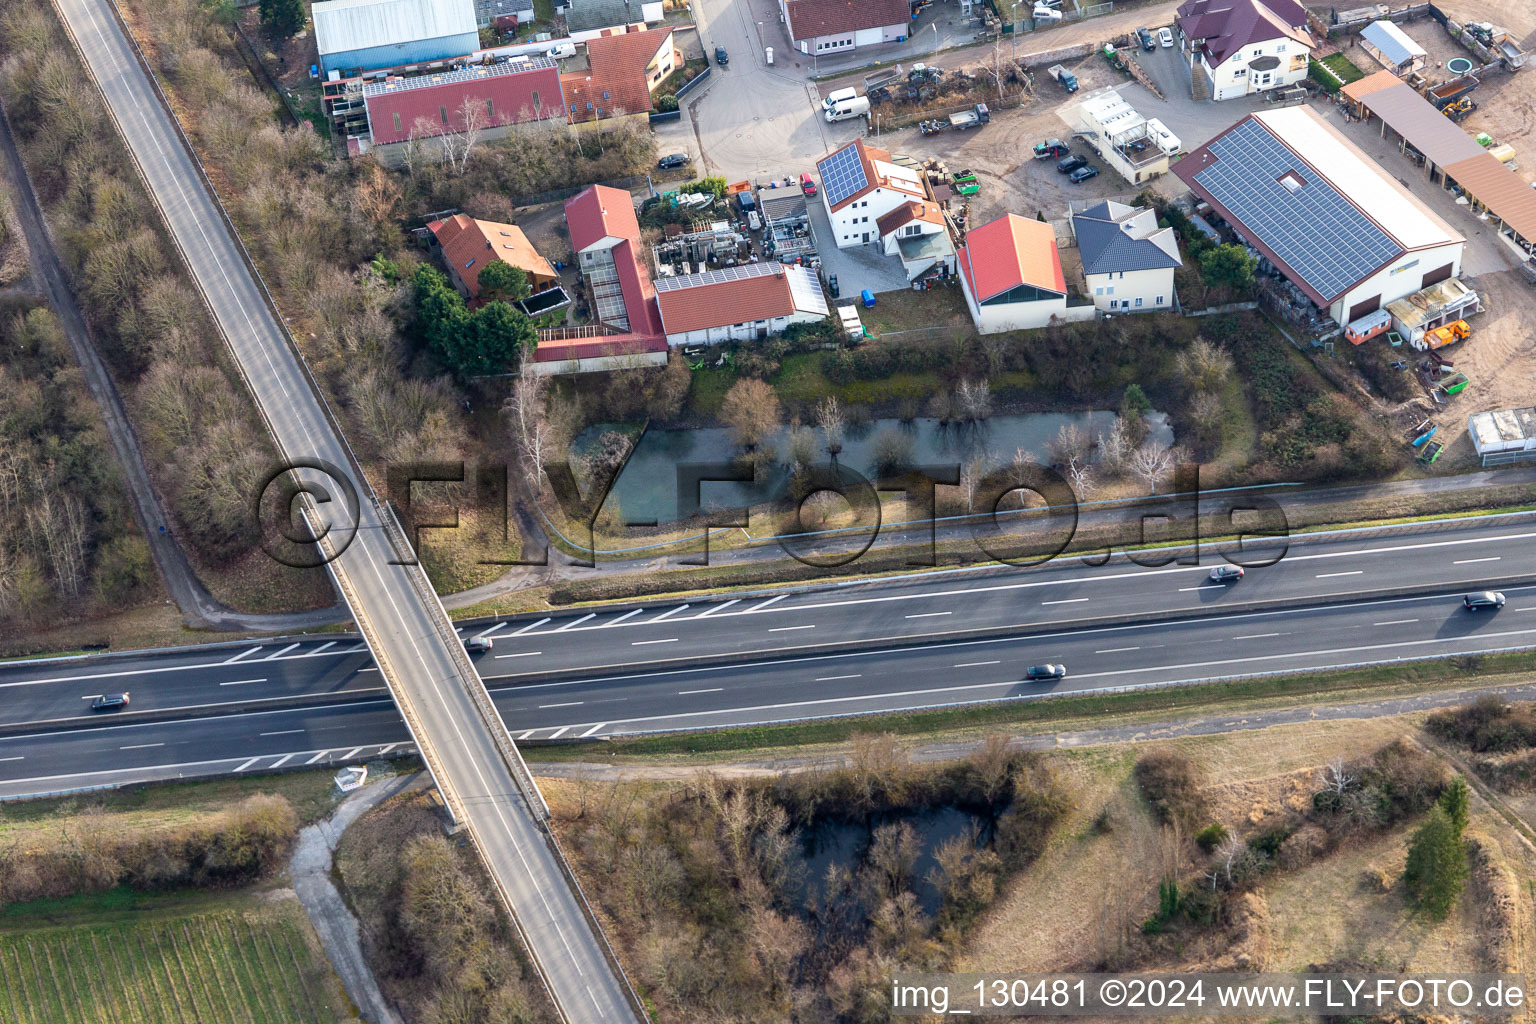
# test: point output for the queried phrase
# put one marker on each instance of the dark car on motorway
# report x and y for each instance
(1046, 672)
(1227, 573)
(110, 702)
(672, 160)
(1070, 164)
(1147, 42)
(721, 57)
(477, 644)
(1483, 600)
(1082, 174)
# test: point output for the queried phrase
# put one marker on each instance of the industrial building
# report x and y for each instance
(495, 97)
(1321, 212)
(364, 35)
(749, 302)
(833, 26)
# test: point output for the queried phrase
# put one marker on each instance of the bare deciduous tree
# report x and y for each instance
(1151, 464)
(528, 423)
(1115, 448)
(832, 421)
(1204, 366)
(974, 399)
(1336, 777)
(1071, 444)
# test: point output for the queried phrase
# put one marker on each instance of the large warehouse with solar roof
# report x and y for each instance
(1322, 212)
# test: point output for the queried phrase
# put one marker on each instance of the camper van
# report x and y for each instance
(1166, 141)
(858, 106)
(840, 96)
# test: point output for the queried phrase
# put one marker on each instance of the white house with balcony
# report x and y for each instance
(1128, 261)
(1238, 47)
(860, 185)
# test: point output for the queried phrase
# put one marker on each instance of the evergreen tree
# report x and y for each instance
(282, 18)
(1455, 800)
(501, 281)
(1437, 864)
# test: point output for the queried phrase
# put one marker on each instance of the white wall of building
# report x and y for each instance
(856, 223)
(1019, 316)
(747, 331)
(593, 364)
(912, 229)
(1403, 276)
(1233, 77)
(1132, 291)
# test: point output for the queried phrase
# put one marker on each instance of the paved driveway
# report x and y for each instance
(857, 268)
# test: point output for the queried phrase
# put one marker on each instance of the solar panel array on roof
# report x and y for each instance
(1319, 234)
(736, 273)
(842, 174)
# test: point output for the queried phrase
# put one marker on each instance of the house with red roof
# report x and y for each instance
(624, 69)
(1239, 47)
(626, 325)
(860, 185)
(749, 302)
(832, 26)
(1011, 275)
(467, 245)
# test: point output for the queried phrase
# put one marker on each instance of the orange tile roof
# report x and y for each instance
(616, 76)
(1369, 84)
(906, 213)
(465, 240)
(722, 303)
(1008, 252)
(1500, 189)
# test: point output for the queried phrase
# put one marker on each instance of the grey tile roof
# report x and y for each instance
(1106, 247)
(587, 15)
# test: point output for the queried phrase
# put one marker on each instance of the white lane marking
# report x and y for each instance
(1257, 636)
(524, 654)
(490, 629)
(765, 604)
(786, 629)
(279, 654)
(141, 746)
(1352, 572)
(559, 732)
(386, 748)
(242, 682)
(328, 643)
(1116, 650)
(592, 730)
(370, 668)
(576, 622)
(12, 758)
(928, 615)
(1185, 590)
(531, 625)
(1469, 561)
(247, 764)
(567, 704)
(351, 754)
(359, 649)
(976, 664)
(674, 611)
(641, 643)
(1395, 622)
(627, 615)
(828, 679)
(317, 757)
(712, 689)
(527, 733)
(281, 761)
(231, 661)
(1067, 600)
(283, 732)
(717, 608)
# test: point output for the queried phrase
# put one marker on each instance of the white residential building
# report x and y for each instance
(750, 302)
(1134, 147)
(1011, 275)
(859, 185)
(831, 26)
(1244, 46)
(1128, 261)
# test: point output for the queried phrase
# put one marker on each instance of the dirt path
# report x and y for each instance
(333, 920)
(1203, 726)
(197, 605)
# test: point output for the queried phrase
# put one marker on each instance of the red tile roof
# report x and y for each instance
(1008, 252)
(630, 343)
(726, 302)
(616, 78)
(531, 95)
(809, 19)
(906, 213)
(1229, 25)
(868, 156)
(465, 240)
(601, 212)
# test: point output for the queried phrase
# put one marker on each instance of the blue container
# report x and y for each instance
(868, 297)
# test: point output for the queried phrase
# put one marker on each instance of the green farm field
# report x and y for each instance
(254, 966)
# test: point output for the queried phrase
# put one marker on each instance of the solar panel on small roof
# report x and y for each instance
(842, 174)
(740, 272)
(1319, 234)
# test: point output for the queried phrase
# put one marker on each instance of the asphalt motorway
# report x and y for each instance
(408, 632)
(939, 638)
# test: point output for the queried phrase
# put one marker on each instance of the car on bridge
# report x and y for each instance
(477, 644)
(110, 702)
(1483, 600)
(1036, 672)
(1227, 573)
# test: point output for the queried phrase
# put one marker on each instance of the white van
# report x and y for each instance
(560, 51)
(841, 95)
(769, 53)
(856, 107)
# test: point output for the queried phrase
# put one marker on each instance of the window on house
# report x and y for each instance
(1292, 181)
(1280, 48)
(1258, 50)
(535, 99)
(442, 112)
(1138, 300)
(1239, 74)
(605, 94)
(397, 120)
(470, 263)
(1159, 300)
(490, 108)
(1099, 290)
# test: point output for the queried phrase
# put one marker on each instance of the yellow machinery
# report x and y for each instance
(1450, 334)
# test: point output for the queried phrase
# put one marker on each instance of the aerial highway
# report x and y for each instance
(777, 657)
(413, 647)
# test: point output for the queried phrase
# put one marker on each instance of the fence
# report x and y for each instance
(689, 86)
(559, 194)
